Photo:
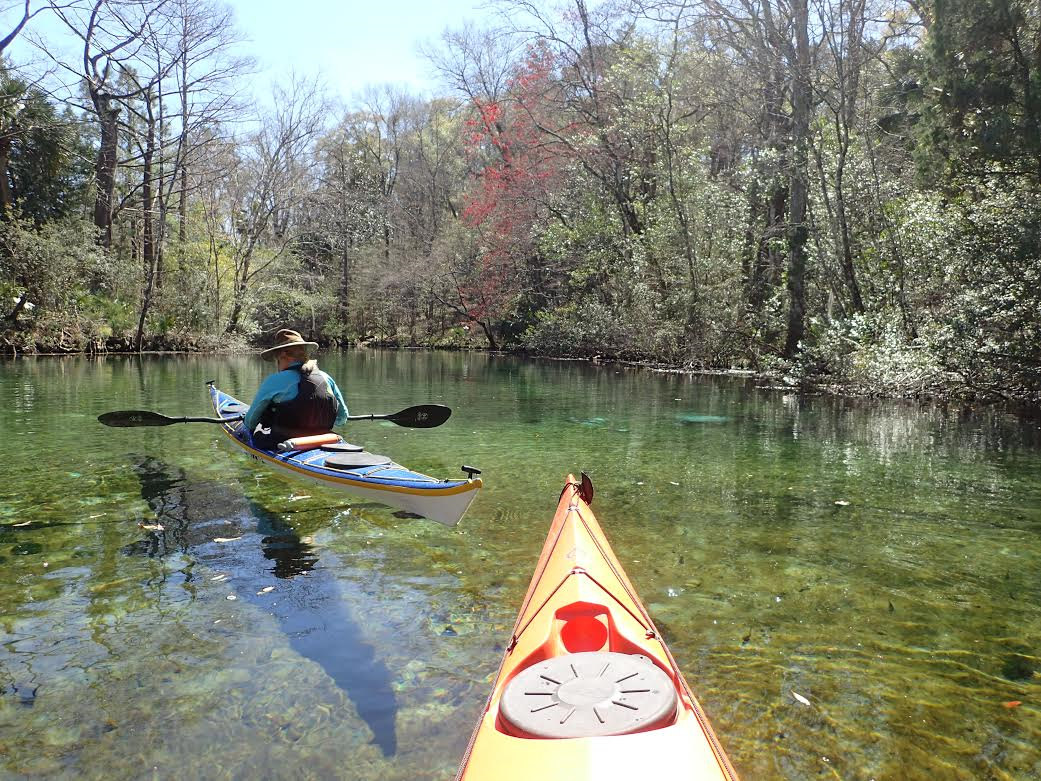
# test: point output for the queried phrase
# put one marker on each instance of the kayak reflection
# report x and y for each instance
(273, 568)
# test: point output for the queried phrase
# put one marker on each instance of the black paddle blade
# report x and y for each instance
(131, 418)
(423, 416)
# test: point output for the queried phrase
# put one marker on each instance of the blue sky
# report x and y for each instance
(350, 43)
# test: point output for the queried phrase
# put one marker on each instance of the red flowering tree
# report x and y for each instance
(517, 170)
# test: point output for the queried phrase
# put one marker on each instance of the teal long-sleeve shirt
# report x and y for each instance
(282, 386)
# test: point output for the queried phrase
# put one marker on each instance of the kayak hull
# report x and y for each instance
(444, 501)
(580, 601)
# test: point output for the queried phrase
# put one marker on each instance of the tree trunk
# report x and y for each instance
(848, 269)
(105, 169)
(182, 207)
(18, 307)
(492, 344)
(6, 198)
(215, 251)
(147, 204)
(148, 249)
(238, 296)
(798, 231)
(182, 154)
(345, 290)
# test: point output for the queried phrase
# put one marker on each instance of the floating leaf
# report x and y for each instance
(800, 698)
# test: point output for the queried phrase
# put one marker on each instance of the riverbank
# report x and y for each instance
(793, 379)
(920, 385)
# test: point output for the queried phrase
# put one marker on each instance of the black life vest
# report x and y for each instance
(311, 411)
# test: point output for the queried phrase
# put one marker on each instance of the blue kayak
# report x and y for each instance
(351, 469)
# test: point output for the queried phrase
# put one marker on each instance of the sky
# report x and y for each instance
(349, 44)
(352, 43)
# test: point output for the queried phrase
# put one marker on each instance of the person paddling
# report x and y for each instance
(297, 400)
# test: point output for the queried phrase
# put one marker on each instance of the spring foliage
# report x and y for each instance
(614, 181)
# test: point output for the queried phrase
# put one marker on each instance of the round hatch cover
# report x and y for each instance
(347, 461)
(588, 694)
(342, 447)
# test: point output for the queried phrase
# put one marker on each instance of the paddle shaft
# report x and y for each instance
(136, 418)
(422, 416)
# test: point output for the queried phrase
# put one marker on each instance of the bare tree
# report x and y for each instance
(476, 63)
(197, 41)
(346, 211)
(434, 169)
(843, 29)
(19, 25)
(380, 132)
(116, 37)
(269, 184)
(209, 79)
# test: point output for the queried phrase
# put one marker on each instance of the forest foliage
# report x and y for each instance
(841, 192)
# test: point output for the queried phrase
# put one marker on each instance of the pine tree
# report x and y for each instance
(983, 88)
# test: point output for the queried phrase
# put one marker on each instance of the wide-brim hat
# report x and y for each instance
(284, 339)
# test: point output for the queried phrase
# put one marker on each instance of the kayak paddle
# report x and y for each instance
(131, 418)
(421, 416)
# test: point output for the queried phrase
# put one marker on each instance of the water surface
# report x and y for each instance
(169, 609)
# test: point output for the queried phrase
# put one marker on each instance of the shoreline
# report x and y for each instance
(775, 381)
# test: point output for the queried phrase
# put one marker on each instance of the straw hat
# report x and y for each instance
(283, 339)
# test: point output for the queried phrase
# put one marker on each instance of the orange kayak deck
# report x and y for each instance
(581, 640)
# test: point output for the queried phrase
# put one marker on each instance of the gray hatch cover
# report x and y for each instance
(355, 460)
(588, 694)
(342, 447)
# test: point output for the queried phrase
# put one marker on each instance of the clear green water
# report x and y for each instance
(362, 645)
